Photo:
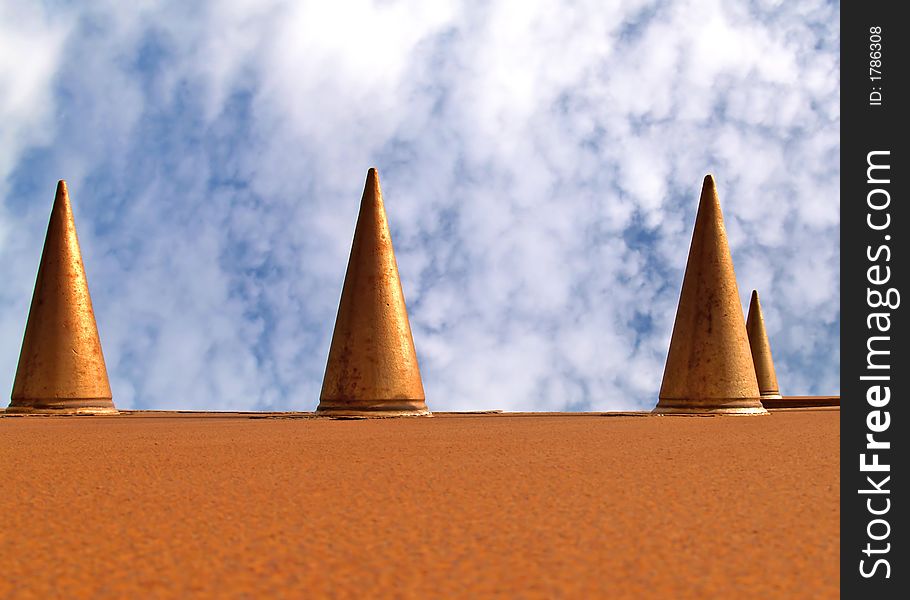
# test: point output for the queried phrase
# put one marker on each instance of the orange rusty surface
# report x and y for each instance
(709, 365)
(61, 366)
(372, 366)
(761, 350)
(158, 505)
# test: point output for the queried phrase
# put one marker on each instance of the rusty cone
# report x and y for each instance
(761, 351)
(61, 367)
(372, 367)
(709, 366)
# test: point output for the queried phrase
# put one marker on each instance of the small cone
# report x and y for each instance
(372, 367)
(709, 366)
(61, 367)
(761, 351)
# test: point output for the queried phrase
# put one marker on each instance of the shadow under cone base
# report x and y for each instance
(379, 409)
(713, 406)
(62, 406)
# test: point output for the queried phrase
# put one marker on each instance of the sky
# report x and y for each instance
(540, 161)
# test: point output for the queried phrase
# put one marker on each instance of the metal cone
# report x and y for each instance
(372, 367)
(709, 366)
(761, 351)
(61, 367)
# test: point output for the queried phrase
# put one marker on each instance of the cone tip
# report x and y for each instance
(709, 194)
(62, 196)
(754, 295)
(372, 181)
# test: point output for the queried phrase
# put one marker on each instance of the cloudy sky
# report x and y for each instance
(540, 161)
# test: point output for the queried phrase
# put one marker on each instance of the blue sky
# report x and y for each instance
(540, 161)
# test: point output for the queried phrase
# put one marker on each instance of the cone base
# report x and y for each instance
(62, 406)
(377, 409)
(710, 406)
